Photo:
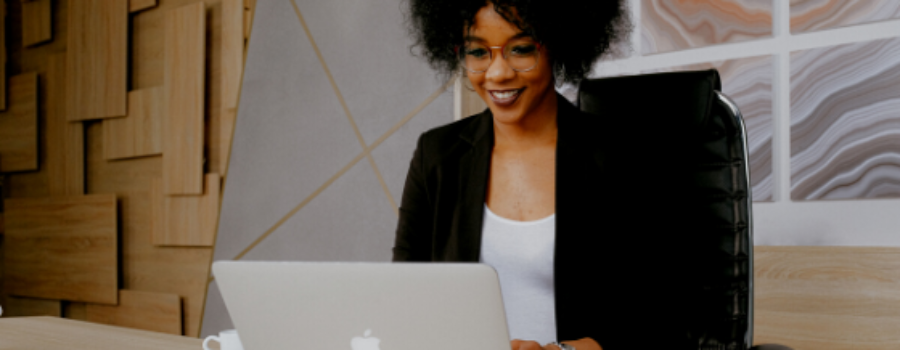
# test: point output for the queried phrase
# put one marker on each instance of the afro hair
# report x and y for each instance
(575, 32)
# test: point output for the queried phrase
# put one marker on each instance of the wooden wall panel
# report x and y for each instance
(176, 270)
(159, 312)
(20, 307)
(184, 80)
(828, 297)
(232, 55)
(186, 220)
(62, 248)
(19, 125)
(140, 5)
(3, 57)
(75, 310)
(140, 133)
(65, 140)
(97, 59)
(37, 22)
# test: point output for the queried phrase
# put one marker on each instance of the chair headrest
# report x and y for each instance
(678, 98)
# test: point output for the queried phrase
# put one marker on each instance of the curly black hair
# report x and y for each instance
(576, 32)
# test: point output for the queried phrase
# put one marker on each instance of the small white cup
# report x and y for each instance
(228, 340)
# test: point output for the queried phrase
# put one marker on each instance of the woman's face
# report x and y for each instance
(513, 96)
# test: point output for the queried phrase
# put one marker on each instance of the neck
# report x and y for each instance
(535, 129)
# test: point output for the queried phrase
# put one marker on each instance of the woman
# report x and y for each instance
(507, 187)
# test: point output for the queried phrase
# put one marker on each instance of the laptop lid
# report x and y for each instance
(363, 306)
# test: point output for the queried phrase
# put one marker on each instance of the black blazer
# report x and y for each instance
(617, 272)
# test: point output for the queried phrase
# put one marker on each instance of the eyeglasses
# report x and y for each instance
(521, 55)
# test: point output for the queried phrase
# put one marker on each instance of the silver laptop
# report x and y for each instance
(363, 306)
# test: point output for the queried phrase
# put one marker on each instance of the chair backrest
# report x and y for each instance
(690, 103)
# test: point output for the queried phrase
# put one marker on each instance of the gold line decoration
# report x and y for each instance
(366, 152)
(340, 97)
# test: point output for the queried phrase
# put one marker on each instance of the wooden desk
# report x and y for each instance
(53, 333)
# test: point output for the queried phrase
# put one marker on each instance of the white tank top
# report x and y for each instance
(522, 254)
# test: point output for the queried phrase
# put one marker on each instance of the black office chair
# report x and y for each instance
(709, 124)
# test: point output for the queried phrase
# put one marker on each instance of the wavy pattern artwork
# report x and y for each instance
(812, 15)
(748, 81)
(671, 25)
(845, 121)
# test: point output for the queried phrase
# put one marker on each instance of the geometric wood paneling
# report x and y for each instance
(232, 57)
(19, 125)
(175, 270)
(158, 312)
(140, 133)
(62, 248)
(827, 297)
(186, 220)
(140, 5)
(226, 133)
(3, 57)
(65, 140)
(97, 59)
(37, 22)
(75, 311)
(184, 80)
(19, 307)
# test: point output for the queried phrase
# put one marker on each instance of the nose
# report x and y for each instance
(499, 70)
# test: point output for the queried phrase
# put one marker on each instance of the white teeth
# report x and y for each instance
(506, 94)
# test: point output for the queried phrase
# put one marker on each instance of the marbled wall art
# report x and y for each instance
(845, 121)
(671, 25)
(812, 15)
(748, 81)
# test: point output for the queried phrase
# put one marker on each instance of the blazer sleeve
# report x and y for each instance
(413, 237)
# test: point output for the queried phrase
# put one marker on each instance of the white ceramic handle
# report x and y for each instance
(206, 341)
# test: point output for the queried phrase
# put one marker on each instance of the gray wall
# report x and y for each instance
(318, 163)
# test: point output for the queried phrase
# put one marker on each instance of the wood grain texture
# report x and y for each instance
(65, 140)
(19, 125)
(59, 333)
(186, 220)
(75, 310)
(37, 22)
(97, 59)
(158, 312)
(249, 5)
(20, 307)
(62, 248)
(232, 54)
(827, 297)
(3, 57)
(176, 270)
(140, 5)
(139, 134)
(226, 135)
(184, 79)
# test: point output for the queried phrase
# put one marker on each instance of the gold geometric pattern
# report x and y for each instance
(367, 149)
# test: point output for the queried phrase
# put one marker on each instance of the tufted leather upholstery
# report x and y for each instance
(689, 104)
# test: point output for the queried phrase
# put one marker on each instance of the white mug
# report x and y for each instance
(228, 340)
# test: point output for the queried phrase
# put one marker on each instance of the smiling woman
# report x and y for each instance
(485, 189)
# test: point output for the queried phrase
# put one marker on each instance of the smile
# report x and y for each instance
(504, 97)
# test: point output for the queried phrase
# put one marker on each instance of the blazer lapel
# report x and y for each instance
(474, 169)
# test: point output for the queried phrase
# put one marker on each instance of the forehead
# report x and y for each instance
(489, 26)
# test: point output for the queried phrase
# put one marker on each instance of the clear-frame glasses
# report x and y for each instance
(521, 54)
